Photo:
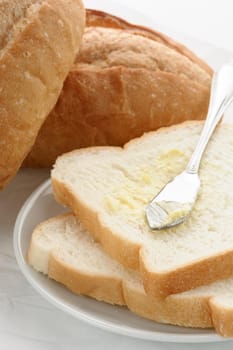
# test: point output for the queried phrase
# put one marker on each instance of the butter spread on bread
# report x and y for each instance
(197, 252)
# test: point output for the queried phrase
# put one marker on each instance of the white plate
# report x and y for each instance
(40, 206)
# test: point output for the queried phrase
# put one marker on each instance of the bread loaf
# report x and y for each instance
(126, 80)
(38, 43)
(108, 189)
(63, 250)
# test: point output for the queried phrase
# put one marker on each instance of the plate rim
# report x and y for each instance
(94, 321)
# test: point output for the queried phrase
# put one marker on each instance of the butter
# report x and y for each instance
(146, 179)
(135, 192)
(176, 212)
(171, 154)
(112, 204)
(125, 199)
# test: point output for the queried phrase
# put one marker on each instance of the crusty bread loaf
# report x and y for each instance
(39, 40)
(126, 80)
(108, 189)
(61, 249)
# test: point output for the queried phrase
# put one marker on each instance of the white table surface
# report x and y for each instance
(26, 320)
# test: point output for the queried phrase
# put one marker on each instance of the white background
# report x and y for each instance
(26, 320)
(209, 20)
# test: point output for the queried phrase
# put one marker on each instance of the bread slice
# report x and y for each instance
(61, 249)
(125, 78)
(39, 40)
(109, 187)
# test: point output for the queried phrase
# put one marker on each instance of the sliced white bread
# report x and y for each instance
(109, 187)
(61, 249)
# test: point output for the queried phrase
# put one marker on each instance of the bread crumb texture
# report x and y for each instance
(117, 184)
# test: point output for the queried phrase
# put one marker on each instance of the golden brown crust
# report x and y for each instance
(182, 311)
(113, 290)
(222, 317)
(102, 288)
(188, 277)
(97, 18)
(120, 100)
(33, 65)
